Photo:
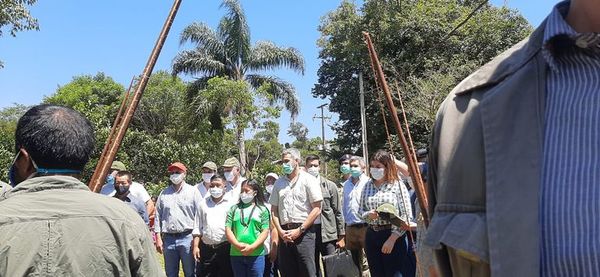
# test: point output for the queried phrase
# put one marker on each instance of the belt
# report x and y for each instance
(378, 228)
(357, 225)
(184, 233)
(291, 226)
(216, 245)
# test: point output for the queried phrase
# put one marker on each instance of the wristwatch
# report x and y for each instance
(302, 229)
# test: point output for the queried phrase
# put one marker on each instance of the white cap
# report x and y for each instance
(272, 175)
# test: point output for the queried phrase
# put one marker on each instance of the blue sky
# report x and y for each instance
(116, 37)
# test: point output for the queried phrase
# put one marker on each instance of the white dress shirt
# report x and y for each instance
(136, 189)
(210, 220)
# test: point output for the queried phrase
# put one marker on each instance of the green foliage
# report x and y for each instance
(8, 124)
(227, 52)
(15, 16)
(408, 36)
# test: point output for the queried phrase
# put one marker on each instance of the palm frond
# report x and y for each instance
(280, 91)
(235, 31)
(204, 37)
(265, 55)
(197, 61)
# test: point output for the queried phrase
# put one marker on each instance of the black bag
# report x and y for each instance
(340, 264)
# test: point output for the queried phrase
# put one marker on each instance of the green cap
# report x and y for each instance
(210, 165)
(388, 212)
(116, 165)
(231, 162)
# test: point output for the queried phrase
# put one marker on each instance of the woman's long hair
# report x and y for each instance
(259, 198)
(391, 171)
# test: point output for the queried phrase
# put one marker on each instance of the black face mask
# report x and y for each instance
(121, 190)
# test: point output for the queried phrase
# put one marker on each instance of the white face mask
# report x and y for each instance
(216, 192)
(229, 176)
(177, 178)
(247, 197)
(206, 177)
(269, 189)
(377, 173)
(314, 171)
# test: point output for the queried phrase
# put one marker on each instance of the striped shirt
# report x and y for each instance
(570, 188)
(395, 194)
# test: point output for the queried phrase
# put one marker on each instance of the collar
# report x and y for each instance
(557, 34)
(42, 183)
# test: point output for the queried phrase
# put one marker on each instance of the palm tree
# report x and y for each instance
(227, 52)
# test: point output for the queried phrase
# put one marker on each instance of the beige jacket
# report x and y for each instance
(55, 226)
(485, 167)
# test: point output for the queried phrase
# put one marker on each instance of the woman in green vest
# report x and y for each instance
(247, 227)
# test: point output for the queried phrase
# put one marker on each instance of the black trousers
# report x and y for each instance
(321, 248)
(214, 262)
(297, 259)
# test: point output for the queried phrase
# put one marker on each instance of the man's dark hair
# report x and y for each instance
(312, 157)
(55, 137)
(125, 173)
(344, 157)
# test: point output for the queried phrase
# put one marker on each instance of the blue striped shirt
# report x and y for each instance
(570, 188)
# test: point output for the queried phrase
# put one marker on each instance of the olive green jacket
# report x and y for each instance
(55, 226)
(332, 218)
(485, 164)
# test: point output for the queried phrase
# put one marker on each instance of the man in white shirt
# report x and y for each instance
(136, 189)
(295, 204)
(356, 228)
(208, 170)
(176, 210)
(210, 246)
(231, 172)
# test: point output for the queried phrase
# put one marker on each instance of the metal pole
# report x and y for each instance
(410, 158)
(108, 156)
(363, 117)
(323, 133)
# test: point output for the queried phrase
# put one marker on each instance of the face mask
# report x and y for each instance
(247, 197)
(314, 171)
(216, 192)
(269, 189)
(355, 171)
(288, 168)
(177, 178)
(12, 173)
(110, 180)
(207, 176)
(122, 190)
(377, 173)
(345, 169)
(228, 176)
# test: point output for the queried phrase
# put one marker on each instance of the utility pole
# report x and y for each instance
(323, 118)
(363, 118)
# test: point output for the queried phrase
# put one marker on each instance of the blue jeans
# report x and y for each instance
(178, 247)
(248, 266)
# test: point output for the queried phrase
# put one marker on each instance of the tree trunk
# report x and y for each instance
(242, 149)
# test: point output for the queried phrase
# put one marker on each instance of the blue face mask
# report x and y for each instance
(12, 173)
(287, 168)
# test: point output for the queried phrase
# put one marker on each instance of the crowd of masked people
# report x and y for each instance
(224, 225)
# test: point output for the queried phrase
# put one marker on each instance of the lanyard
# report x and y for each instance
(249, 217)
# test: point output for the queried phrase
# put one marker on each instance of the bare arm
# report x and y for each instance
(275, 216)
(312, 216)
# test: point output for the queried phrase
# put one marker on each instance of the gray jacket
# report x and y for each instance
(485, 165)
(332, 219)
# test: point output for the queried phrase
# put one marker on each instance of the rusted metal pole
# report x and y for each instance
(108, 156)
(410, 158)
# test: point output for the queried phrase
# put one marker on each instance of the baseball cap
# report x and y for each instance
(117, 165)
(176, 165)
(210, 165)
(231, 162)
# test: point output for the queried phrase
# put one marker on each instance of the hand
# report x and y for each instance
(412, 226)
(240, 245)
(294, 234)
(273, 253)
(196, 253)
(388, 246)
(247, 249)
(341, 243)
(373, 215)
(159, 244)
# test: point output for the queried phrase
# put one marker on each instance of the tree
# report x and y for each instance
(416, 54)
(227, 52)
(16, 17)
(9, 117)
